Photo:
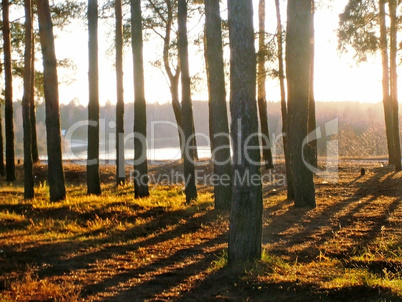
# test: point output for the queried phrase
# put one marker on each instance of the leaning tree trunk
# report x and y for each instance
(173, 77)
(178, 114)
(312, 123)
(93, 177)
(261, 79)
(218, 122)
(394, 82)
(245, 229)
(55, 165)
(298, 74)
(140, 112)
(2, 167)
(10, 156)
(174, 91)
(35, 153)
(386, 98)
(285, 131)
(194, 143)
(28, 171)
(187, 110)
(120, 161)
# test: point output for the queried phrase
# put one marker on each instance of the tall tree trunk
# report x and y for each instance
(53, 135)
(261, 79)
(35, 153)
(218, 122)
(93, 177)
(284, 110)
(28, 171)
(178, 113)
(120, 161)
(194, 142)
(394, 81)
(312, 124)
(2, 167)
(245, 229)
(386, 98)
(140, 113)
(298, 74)
(10, 156)
(174, 91)
(173, 76)
(187, 110)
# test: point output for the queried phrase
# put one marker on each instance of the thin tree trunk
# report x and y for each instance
(285, 130)
(245, 228)
(28, 170)
(394, 82)
(120, 161)
(387, 104)
(174, 91)
(218, 122)
(187, 110)
(10, 156)
(2, 167)
(93, 177)
(261, 79)
(312, 124)
(298, 74)
(173, 77)
(35, 153)
(53, 135)
(194, 142)
(140, 113)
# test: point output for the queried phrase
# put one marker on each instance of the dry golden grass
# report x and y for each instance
(115, 248)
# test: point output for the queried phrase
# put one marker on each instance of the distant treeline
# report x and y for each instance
(361, 125)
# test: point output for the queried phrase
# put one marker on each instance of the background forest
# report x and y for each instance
(361, 125)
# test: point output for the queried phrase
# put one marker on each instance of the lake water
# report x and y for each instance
(77, 150)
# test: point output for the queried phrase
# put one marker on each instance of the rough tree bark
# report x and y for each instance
(8, 108)
(312, 123)
(261, 79)
(394, 81)
(245, 230)
(2, 167)
(140, 115)
(26, 112)
(284, 110)
(120, 161)
(387, 104)
(53, 135)
(93, 177)
(35, 153)
(298, 74)
(187, 110)
(218, 122)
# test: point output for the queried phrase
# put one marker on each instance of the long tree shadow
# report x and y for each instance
(224, 286)
(56, 255)
(162, 274)
(310, 229)
(117, 243)
(285, 227)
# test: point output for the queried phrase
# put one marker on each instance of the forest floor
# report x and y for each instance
(115, 248)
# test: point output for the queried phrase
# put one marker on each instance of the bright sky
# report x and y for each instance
(337, 76)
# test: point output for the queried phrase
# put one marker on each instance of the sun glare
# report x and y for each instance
(337, 77)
